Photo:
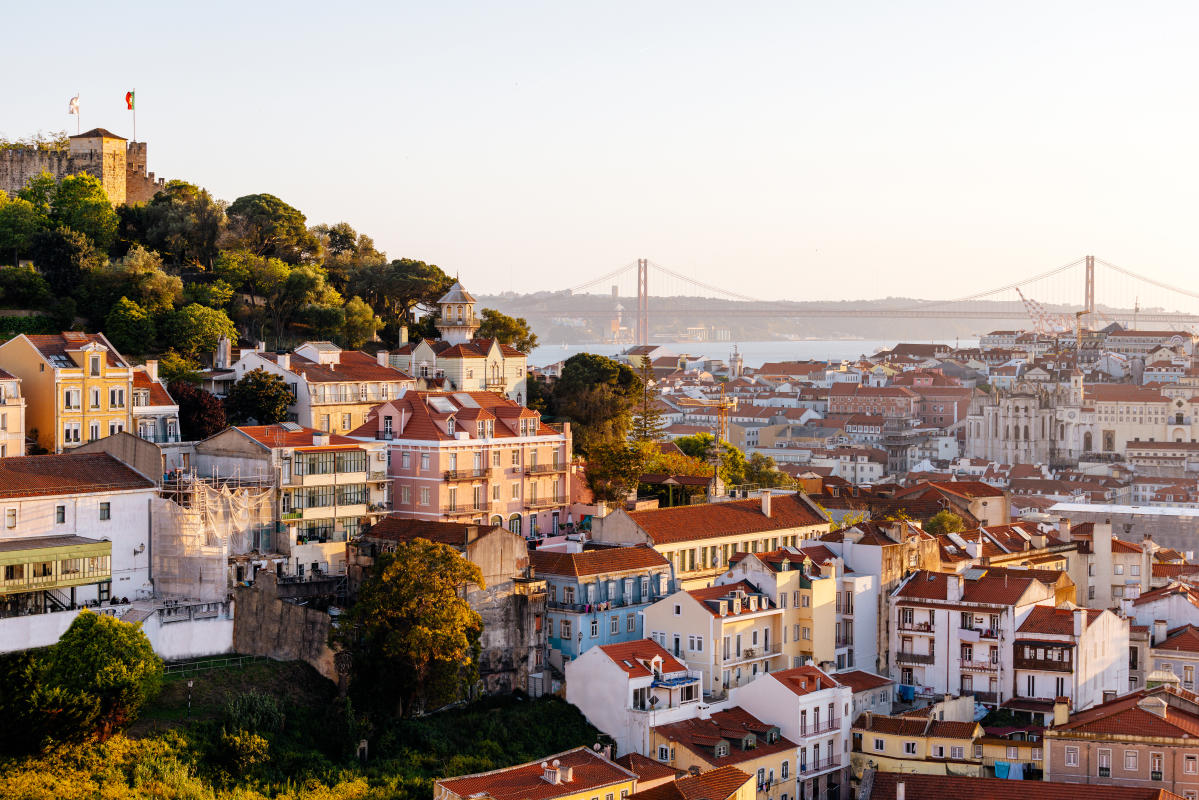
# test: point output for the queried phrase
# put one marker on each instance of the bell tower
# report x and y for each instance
(458, 322)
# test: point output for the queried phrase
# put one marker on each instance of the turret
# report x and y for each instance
(458, 323)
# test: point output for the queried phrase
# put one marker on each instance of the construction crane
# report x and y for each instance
(1043, 321)
(723, 406)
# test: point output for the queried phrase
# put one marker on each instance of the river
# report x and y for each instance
(754, 354)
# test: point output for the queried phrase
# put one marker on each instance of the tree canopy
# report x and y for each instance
(514, 331)
(944, 521)
(201, 413)
(597, 395)
(259, 397)
(412, 634)
(266, 226)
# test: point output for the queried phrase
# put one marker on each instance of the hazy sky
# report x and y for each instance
(800, 150)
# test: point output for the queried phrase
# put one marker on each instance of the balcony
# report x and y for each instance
(297, 514)
(384, 436)
(917, 627)
(984, 633)
(811, 768)
(984, 697)
(752, 654)
(53, 562)
(464, 474)
(464, 508)
(1043, 664)
(1105, 772)
(598, 607)
(379, 476)
(542, 469)
(844, 641)
(914, 658)
(968, 665)
(819, 729)
(546, 502)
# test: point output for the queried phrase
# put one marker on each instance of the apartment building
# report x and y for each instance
(722, 783)
(1175, 651)
(155, 412)
(916, 744)
(949, 631)
(887, 401)
(872, 693)
(1068, 652)
(811, 709)
(732, 738)
(699, 540)
(596, 596)
(12, 416)
(578, 774)
(627, 689)
(77, 387)
(474, 457)
(75, 533)
(327, 487)
(1144, 739)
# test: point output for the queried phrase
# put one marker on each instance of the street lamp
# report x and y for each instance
(189, 698)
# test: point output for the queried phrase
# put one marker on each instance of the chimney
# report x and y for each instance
(320, 440)
(953, 588)
(1079, 622)
(566, 774)
(283, 360)
(1101, 550)
(152, 369)
(766, 503)
(403, 335)
(899, 791)
(224, 353)
(1159, 632)
(973, 548)
(381, 358)
(472, 533)
(1061, 711)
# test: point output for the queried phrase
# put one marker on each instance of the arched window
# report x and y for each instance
(497, 520)
(1086, 442)
(1007, 432)
(1026, 433)
(514, 523)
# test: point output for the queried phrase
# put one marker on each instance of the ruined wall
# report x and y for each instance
(264, 625)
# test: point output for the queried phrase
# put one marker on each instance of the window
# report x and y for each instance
(614, 625)
(594, 628)
(60, 515)
(406, 460)
(424, 495)
(631, 623)
(424, 462)
(95, 398)
(406, 495)
(565, 629)
(105, 511)
(938, 751)
(678, 610)
(958, 752)
(1190, 765)
(663, 753)
(805, 601)
(116, 398)
(807, 633)
(1130, 760)
(879, 745)
(347, 422)
(10, 518)
(786, 770)
(1118, 569)
(909, 748)
(1104, 762)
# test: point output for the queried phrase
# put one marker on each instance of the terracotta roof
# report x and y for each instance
(996, 586)
(404, 529)
(421, 419)
(1121, 393)
(711, 596)
(940, 787)
(860, 680)
(1050, 621)
(915, 726)
(646, 769)
(1174, 570)
(1182, 639)
(734, 518)
(717, 784)
(352, 367)
(731, 725)
(633, 656)
(968, 489)
(68, 473)
(595, 562)
(591, 771)
(277, 435)
(804, 680)
(57, 344)
(7, 376)
(96, 133)
(1124, 715)
(159, 396)
(1173, 588)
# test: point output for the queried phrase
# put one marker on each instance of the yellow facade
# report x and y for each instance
(912, 752)
(697, 563)
(74, 397)
(771, 763)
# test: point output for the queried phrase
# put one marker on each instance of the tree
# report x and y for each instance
(23, 287)
(397, 290)
(110, 660)
(613, 469)
(413, 636)
(360, 323)
(138, 276)
(345, 251)
(597, 395)
(201, 413)
(702, 446)
(267, 226)
(19, 222)
(195, 329)
(259, 397)
(129, 327)
(944, 521)
(37, 713)
(174, 367)
(185, 222)
(648, 423)
(215, 294)
(760, 469)
(64, 256)
(38, 191)
(514, 331)
(81, 204)
(283, 289)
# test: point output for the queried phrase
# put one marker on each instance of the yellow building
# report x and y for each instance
(732, 737)
(77, 387)
(916, 744)
(578, 774)
(1015, 753)
(723, 783)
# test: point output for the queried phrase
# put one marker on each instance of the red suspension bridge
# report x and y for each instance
(1089, 290)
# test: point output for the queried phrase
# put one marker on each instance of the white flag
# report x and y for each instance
(73, 108)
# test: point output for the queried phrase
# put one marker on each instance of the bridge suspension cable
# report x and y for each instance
(1158, 284)
(613, 274)
(1008, 287)
(702, 285)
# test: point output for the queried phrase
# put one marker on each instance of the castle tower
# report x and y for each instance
(101, 153)
(458, 323)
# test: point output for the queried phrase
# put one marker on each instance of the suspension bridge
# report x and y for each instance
(1089, 291)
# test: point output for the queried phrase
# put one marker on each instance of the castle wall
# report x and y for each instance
(106, 159)
(122, 172)
(18, 166)
(140, 185)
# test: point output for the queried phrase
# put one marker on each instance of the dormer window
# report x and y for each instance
(449, 426)
(93, 365)
(722, 750)
(749, 742)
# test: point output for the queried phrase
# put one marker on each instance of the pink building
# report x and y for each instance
(474, 457)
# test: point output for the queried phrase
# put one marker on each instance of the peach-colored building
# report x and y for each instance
(474, 457)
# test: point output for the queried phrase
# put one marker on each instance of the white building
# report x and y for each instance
(813, 710)
(155, 412)
(12, 416)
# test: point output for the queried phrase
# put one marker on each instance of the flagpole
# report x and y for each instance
(78, 117)
(134, 110)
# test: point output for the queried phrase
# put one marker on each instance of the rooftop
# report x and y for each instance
(733, 518)
(596, 562)
(940, 787)
(590, 771)
(717, 784)
(65, 474)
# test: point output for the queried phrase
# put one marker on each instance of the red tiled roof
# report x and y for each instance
(859, 680)
(916, 726)
(68, 473)
(57, 344)
(591, 771)
(420, 418)
(353, 366)
(1123, 715)
(405, 529)
(646, 769)
(1173, 588)
(717, 784)
(595, 562)
(946, 787)
(736, 517)
(1182, 639)
(277, 436)
(711, 596)
(159, 396)
(702, 735)
(997, 586)
(631, 657)
(804, 680)
(1055, 621)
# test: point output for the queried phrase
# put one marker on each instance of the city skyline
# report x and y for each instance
(881, 152)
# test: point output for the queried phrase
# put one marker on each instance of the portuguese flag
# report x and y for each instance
(129, 100)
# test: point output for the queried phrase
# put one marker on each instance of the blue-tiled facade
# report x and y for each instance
(585, 611)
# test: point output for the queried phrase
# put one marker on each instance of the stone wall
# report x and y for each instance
(18, 166)
(266, 625)
(120, 168)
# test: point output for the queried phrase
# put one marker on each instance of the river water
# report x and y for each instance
(755, 354)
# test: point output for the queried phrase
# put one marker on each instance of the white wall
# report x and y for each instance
(190, 639)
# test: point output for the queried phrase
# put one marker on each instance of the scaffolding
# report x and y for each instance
(198, 525)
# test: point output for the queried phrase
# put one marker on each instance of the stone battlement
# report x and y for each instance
(122, 170)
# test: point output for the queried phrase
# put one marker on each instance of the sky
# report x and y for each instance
(794, 150)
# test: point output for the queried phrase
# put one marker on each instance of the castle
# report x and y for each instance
(118, 163)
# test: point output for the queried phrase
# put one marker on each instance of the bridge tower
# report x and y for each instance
(642, 301)
(1088, 300)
